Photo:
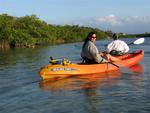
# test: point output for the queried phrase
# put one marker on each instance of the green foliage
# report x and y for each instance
(28, 31)
(143, 35)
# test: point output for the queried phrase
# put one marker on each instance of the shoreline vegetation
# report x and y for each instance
(29, 31)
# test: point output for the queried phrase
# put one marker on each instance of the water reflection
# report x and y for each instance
(92, 97)
(87, 81)
(79, 82)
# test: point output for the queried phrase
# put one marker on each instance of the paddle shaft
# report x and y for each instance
(130, 43)
(114, 64)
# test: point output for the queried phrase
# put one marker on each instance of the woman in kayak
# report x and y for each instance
(90, 53)
(117, 47)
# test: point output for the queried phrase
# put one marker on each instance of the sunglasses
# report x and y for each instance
(93, 36)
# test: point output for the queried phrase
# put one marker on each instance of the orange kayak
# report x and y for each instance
(61, 71)
(87, 81)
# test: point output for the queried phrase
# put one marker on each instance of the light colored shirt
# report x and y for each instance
(118, 45)
(91, 52)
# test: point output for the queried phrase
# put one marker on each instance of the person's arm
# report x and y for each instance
(95, 54)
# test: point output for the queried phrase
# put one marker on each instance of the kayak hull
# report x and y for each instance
(60, 71)
(86, 81)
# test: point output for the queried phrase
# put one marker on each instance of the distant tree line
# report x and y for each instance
(29, 31)
(122, 35)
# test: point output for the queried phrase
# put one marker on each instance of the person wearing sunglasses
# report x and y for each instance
(90, 53)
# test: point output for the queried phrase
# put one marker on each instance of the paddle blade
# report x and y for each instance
(139, 41)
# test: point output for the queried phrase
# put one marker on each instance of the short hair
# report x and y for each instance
(115, 36)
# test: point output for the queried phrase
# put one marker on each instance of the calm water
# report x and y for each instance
(23, 91)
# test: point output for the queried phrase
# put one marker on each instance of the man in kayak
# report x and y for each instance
(117, 47)
(90, 53)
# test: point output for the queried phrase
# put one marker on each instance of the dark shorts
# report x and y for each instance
(89, 61)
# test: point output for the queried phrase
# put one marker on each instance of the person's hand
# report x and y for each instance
(106, 61)
(101, 53)
(105, 52)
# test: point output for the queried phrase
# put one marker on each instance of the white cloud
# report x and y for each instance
(130, 24)
(111, 19)
(145, 19)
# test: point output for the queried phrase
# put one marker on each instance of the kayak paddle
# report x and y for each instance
(138, 41)
(114, 64)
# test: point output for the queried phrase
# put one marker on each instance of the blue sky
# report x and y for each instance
(129, 16)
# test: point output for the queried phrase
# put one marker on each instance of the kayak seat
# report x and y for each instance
(88, 61)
